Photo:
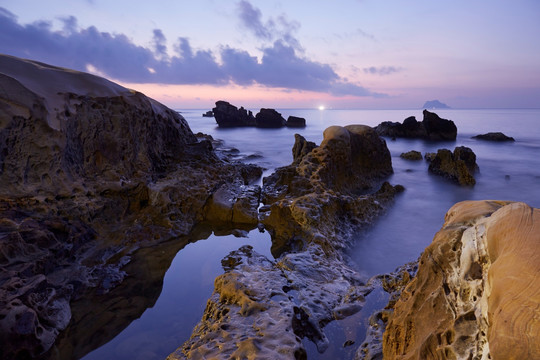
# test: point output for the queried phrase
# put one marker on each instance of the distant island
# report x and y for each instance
(435, 104)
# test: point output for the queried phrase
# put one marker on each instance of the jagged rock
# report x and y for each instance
(493, 136)
(262, 308)
(432, 127)
(295, 121)
(89, 172)
(228, 115)
(352, 158)
(411, 155)
(269, 118)
(458, 166)
(301, 148)
(476, 291)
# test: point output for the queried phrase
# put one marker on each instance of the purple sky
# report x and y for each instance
(346, 54)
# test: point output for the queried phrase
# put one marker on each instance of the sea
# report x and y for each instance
(507, 171)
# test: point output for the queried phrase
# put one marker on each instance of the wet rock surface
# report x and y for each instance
(411, 155)
(263, 308)
(458, 166)
(479, 280)
(432, 127)
(89, 173)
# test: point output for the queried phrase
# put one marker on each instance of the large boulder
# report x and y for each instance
(90, 172)
(296, 122)
(228, 115)
(476, 291)
(458, 166)
(432, 127)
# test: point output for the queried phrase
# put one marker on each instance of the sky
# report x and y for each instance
(343, 54)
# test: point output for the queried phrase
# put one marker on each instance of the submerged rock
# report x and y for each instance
(458, 166)
(479, 279)
(493, 136)
(432, 127)
(89, 172)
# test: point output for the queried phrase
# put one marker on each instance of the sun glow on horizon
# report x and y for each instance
(321, 107)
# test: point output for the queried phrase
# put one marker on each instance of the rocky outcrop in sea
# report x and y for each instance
(228, 115)
(432, 127)
(476, 293)
(494, 136)
(262, 308)
(458, 166)
(90, 172)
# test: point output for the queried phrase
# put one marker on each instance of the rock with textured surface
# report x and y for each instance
(89, 172)
(262, 308)
(458, 166)
(476, 293)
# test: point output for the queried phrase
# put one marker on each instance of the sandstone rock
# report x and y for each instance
(493, 136)
(432, 127)
(295, 121)
(269, 118)
(228, 115)
(476, 291)
(458, 166)
(262, 308)
(90, 172)
(411, 155)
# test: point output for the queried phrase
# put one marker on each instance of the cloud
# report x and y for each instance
(382, 70)
(251, 18)
(272, 30)
(281, 64)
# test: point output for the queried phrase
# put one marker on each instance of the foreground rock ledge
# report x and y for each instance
(477, 291)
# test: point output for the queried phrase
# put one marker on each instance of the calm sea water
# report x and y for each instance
(508, 171)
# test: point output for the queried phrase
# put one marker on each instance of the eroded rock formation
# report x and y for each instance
(477, 290)
(89, 172)
(228, 115)
(432, 127)
(458, 166)
(262, 308)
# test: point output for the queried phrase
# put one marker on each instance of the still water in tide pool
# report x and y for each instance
(508, 171)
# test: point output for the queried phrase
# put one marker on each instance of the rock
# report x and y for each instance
(262, 308)
(493, 136)
(228, 115)
(90, 172)
(352, 158)
(301, 148)
(432, 127)
(459, 166)
(437, 128)
(435, 104)
(479, 279)
(296, 122)
(411, 155)
(269, 118)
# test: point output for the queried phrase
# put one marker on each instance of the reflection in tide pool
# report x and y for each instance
(187, 285)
